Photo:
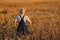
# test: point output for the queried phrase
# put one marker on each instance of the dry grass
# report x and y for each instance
(45, 18)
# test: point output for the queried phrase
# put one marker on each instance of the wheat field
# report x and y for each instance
(45, 17)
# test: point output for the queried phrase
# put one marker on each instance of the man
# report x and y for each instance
(23, 21)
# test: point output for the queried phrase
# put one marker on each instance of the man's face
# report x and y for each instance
(22, 11)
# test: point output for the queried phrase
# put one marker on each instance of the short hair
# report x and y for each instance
(20, 9)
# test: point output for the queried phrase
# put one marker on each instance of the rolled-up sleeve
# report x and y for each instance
(17, 19)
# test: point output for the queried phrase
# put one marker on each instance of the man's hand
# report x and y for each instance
(15, 21)
(30, 22)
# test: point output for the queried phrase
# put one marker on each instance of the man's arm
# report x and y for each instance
(16, 19)
(29, 21)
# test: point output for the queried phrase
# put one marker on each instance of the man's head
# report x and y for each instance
(22, 10)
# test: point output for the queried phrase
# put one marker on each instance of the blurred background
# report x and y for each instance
(45, 15)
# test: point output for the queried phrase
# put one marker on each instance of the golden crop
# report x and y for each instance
(45, 18)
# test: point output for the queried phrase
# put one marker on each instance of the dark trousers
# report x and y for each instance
(22, 28)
